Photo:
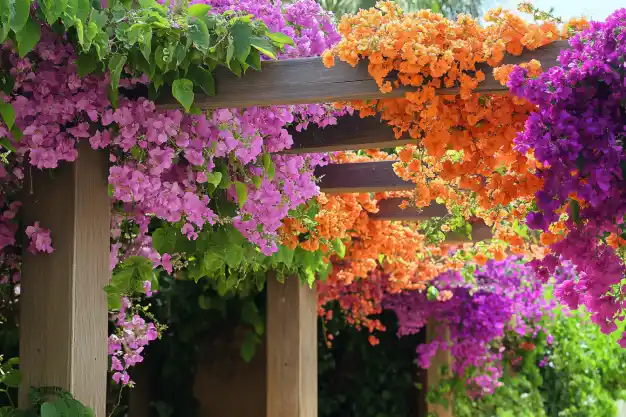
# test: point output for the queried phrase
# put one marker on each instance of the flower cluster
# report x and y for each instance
(466, 157)
(167, 165)
(472, 318)
(577, 135)
(126, 345)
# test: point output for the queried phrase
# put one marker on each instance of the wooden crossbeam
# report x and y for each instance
(361, 177)
(389, 209)
(351, 133)
(307, 80)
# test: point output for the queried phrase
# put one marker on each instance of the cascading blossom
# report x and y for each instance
(578, 133)
(504, 297)
(162, 163)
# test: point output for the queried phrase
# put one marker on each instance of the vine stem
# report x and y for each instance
(119, 400)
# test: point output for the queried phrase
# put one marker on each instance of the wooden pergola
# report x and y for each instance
(63, 323)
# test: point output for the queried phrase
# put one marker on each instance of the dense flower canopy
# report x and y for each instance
(208, 196)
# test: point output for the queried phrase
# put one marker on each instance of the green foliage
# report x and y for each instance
(582, 377)
(45, 401)
(129, 278)
(585, 375)
(179, 48)
(357, 379)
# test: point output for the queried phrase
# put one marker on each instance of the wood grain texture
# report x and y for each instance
(291, 349)
(361, 177)
(389, 209)
(306, 80)
(63, 321)
(434, 375)
(351, 133)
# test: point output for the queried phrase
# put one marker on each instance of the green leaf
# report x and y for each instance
(284, 256)
(241, 33)
(116, 64)
(432, 293)
(85, 65)
(6, 143)
(182, 90)
(280, 38)
(204, 302)
(8, 114)
(198, 10)
(49, 410)
(21, 13)
(248, 347)
(234, 256)
(5, 14)
(242, 193)
(263, 46)
(52, 9)
(13, 378)
(214, 178)
(257, 180)
(28, 37)
(164, 240)
(230, 51)
(270, 171)
(199, 35)
(83, 7)
(310, 276)
(202, 77)
(254, 59)
(80, 32)
(575, 210)
(250, 315)
(339, 247)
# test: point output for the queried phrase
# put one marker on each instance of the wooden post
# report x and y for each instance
(291, 349)
(63, 319)
(434, 375)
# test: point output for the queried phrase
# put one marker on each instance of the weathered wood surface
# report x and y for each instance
(307, 80)
(351, 133)
(63, 321)
(361, 177)
(291, 349)
(389, 209)
(442, 360)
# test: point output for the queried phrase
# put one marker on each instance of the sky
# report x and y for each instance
(593, 9)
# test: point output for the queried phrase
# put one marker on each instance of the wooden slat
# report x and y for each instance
(291, 349)
(389, 209)
(306, 80)
(351, 133)
(362, 177)
(63, 319)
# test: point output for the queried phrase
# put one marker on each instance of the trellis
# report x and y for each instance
(63, 322)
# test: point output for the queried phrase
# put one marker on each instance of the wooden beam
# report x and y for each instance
(389, 209)
(361, 177)
(351, 133)
(442, 360)
(63, 319)
(307, 80)
(291, 349)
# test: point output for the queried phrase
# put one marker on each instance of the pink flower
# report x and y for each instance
(166, 263)
(40, 240)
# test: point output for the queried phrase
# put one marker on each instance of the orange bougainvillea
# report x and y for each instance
(466, 149)
(465, 155)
